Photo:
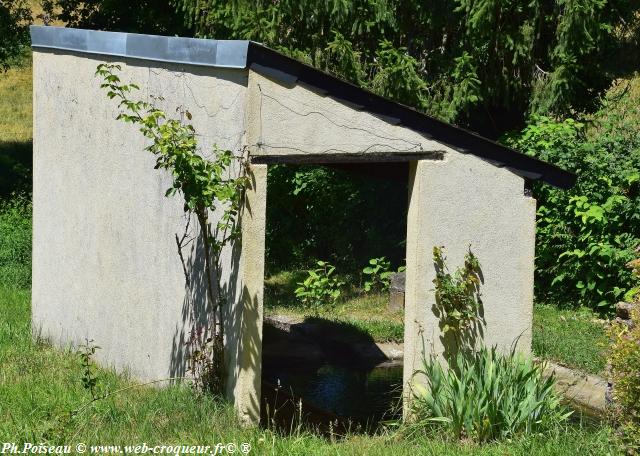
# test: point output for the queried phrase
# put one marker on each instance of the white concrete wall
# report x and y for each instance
(290, 120)
(105, 260)
(245, 345)
(458, 203)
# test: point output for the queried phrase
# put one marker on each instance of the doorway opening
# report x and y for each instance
(333, 324)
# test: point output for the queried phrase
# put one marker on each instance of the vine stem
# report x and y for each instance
(218, 320)
(203, 220)
(121, 390)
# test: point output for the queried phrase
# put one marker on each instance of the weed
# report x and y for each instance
(321, 289)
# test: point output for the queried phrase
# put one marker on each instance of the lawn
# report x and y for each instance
(15, 129)
(16, 109)
(40, 385)
(368, 312)
(574, 338)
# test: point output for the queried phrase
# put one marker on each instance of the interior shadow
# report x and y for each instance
(320, 374)
(16, 165)
(326, 376)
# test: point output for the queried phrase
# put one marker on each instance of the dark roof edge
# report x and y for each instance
(457, 138)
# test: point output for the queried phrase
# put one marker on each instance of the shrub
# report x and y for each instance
(321, 288)
(624, 368)
(458, 303)
(15, 243)
(624, 365)
(585, 235)
(378, 274)
(321, 212)
(485, 396)
(633, 295)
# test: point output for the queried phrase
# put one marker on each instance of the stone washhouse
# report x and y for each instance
(105, 260)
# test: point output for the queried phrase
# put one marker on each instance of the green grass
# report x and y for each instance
(365, 312)
(15, 242)
(40, 384)
(575, 338)
(16, 129)
(16, 107)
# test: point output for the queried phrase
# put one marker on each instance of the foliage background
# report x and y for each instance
(15, 17)
(316, 212)
(586, 235)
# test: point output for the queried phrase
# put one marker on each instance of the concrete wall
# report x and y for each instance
(295, 119)
(245, 345)
(105, 260)
(458, 203)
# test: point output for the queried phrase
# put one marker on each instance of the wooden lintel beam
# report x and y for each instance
(329, 158)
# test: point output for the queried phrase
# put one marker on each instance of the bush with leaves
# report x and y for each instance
(624, 366)
(624, 373)
(321, 212)
(633, 295)
(15, 17)
(458, 304)
(484, 396)
(479, 62)
(586, 235)
(378, 274)
(141, 16)
(321, 289)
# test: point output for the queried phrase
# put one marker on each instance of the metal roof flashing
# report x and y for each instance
(191, 51)
(243, 54)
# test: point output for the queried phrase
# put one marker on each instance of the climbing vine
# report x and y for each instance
(207, 186)
(458, 302)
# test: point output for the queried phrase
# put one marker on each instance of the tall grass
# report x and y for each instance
(15, 242)
(15, 103)
(16, 129)
(486, 396)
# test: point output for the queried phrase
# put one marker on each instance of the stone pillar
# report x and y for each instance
(464, 202)
(396, 292)
(244, 346)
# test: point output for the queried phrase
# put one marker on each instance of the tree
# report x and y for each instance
(487, 64)
(15, 17)
(139, 16)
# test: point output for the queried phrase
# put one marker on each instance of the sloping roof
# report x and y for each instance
(248, 54)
